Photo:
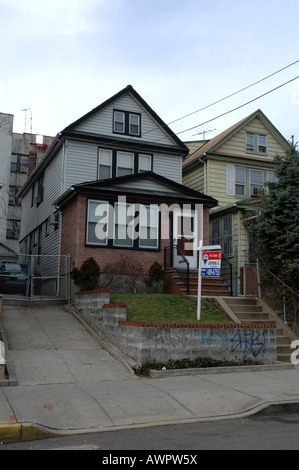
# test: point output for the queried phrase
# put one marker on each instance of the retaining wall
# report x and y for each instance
(2, 348)
(163, 341)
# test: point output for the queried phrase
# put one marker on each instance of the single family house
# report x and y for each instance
(110, 186)
(234, 168)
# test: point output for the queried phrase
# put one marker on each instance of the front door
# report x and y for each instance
(185, 239)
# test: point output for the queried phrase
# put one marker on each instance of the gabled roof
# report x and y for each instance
(70, 131)
(129, 90)
(166, 191)
(212, 145)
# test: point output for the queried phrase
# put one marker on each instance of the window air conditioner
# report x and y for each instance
(257, 192)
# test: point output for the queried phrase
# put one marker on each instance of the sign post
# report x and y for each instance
(209, 266)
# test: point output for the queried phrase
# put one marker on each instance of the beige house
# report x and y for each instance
(234, 168)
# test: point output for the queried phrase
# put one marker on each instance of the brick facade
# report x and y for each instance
(73, 241)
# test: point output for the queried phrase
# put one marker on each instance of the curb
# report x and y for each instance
(12, 433)
(159, 374)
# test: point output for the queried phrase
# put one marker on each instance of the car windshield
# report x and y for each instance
(16, 268)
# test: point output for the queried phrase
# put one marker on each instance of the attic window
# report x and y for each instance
(126, 123)
(256, 143)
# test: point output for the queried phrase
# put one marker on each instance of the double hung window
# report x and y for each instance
(235, 180)
(105, 164)
(149, 226)
(114, 163)
(240, 181)
(126, 123)
(97, 223)
(256, 143)
(122, 224)
(125, 164)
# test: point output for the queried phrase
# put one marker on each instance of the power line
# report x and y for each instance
(238, 107)
(235, 93)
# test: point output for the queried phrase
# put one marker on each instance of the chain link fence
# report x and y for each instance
(35, 277)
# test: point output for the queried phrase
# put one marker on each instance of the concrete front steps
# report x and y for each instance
(254, 310)
(175, 284)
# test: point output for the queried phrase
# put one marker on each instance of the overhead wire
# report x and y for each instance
(235, 93)
(238, 107)
(222, 99)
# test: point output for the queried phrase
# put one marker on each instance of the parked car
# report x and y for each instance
(13, 279)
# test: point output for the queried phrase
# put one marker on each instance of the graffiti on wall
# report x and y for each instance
(242, 341)
(249, 342)
(246, 342)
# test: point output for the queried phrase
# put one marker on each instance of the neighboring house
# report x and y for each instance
(234, 168)
(101, 186)
(19, 154)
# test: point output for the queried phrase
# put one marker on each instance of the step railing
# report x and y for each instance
(279, 295)
(168, 263)
(227, 272)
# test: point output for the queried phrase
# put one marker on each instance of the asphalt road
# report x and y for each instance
(264, 433)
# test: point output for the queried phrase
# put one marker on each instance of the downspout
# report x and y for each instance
(60, 215)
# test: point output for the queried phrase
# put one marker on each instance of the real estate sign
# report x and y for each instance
(211, 263)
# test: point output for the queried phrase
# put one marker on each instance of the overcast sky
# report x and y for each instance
(62, 58)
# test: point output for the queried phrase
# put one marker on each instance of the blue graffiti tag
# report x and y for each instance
(213, 338)
(252, 342)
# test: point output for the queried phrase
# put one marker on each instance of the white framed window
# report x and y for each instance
(235, 181)
(256, 180)
(249, 141)
(97, 222)
(262, 143)
(240, 181)
(144, 163)
(105, 164)
(149, 226)
(125, 164)
(127, 123)
(123, 224)
(256, 143)
(134, 124)
(119, 121)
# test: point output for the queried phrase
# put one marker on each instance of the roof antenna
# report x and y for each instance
(29, 120)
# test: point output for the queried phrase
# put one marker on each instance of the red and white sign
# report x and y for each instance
(211, 263)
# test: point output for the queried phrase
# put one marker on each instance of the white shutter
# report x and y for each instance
(230, 180)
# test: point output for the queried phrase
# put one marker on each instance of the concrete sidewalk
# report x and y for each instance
(63, 381)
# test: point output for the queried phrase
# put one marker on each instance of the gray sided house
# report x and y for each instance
(101, 186)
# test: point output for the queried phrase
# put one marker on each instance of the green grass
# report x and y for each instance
(168, 308)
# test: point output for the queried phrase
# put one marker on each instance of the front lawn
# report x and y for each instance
(168, 308)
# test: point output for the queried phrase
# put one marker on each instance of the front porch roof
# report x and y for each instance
(166, 190)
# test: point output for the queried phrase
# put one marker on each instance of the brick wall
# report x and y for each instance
(74, 221)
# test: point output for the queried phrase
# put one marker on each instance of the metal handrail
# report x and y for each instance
(230, 266)
(184, 260)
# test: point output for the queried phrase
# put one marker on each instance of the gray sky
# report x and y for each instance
(62, 58)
